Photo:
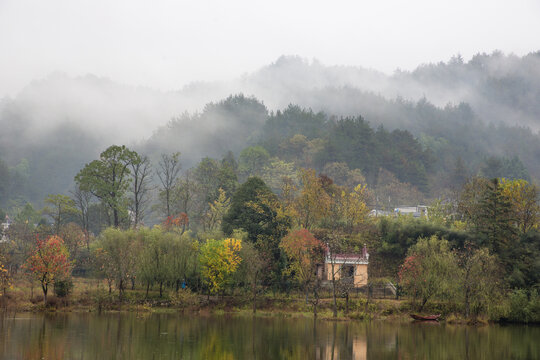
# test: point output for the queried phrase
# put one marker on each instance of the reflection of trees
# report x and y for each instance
(125, 336)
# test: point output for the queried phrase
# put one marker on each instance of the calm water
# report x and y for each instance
(169, 336)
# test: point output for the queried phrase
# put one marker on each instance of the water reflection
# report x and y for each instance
(171, 336)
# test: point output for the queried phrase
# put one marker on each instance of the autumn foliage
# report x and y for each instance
(409, 272)
(178, 222)
(303, 251)
(5, 280)
(49, 261)
(219, 260)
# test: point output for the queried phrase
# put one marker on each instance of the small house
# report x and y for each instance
(351, 267)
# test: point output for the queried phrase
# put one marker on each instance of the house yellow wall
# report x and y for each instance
(360, 275)
(336, 271)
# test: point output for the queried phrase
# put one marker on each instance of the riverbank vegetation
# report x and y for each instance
(250, 234)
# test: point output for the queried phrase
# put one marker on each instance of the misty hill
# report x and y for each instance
(480, 112)
(499, 88)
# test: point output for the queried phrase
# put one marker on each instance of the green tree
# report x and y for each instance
(118, 252)
(168, 170)
(217, 210)
(429, 271)
(250, 212)
(252, 161)
(140, 189)
(478, 278)
(82, 200)
(108, 178)
(153, 263)
(60, 208)
(250, 270)
(256, 210)
(182, 258)
(206, 174)
(495, 221)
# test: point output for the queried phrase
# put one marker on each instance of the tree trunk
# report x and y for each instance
(347, 303)
(147, 288)
(467, 303)
(120, 288)
(315, 302)
(45, 289)
(368, 297)
(424, 301)
(116, 221)
(254, 289)
(161, 289)
(334, 299)
(167, 201)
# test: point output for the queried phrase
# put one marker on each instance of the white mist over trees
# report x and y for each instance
(483, 112)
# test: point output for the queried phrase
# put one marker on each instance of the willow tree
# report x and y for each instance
(430, 270)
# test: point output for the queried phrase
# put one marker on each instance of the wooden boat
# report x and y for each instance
(426, 317)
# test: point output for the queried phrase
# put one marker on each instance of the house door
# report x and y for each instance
(347, 271)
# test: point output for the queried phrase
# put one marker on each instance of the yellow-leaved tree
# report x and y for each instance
(5, 279)
(219, 260)
(523, 197)
(313, 203)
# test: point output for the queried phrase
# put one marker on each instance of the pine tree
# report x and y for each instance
(495, 221)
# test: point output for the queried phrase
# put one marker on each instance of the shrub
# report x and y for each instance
(360, 315)
(62, 288)
(184, 299)
(524, 307)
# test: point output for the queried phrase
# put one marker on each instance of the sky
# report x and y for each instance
(168, 44)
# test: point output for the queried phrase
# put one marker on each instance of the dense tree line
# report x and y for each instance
(219, 234)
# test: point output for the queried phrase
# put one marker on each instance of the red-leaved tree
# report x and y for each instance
(176, 223)
(48, 261)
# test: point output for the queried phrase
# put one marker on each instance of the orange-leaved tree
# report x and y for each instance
(176, 223)
(304, 252)
(48, 261)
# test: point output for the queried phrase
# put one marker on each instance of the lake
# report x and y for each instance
(175, 336)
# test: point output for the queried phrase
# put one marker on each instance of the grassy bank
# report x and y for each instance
(92, 295)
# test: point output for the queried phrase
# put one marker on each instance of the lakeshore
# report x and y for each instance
(92, 296)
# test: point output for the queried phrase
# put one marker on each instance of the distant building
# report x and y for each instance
(348, 267)
(377, 213)
(5, 227)
(416, 211)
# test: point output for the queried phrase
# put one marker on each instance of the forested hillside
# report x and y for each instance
(429, 128)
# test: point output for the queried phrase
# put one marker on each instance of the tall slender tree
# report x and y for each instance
(169, 167)
(142, 176)
(82, 200)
